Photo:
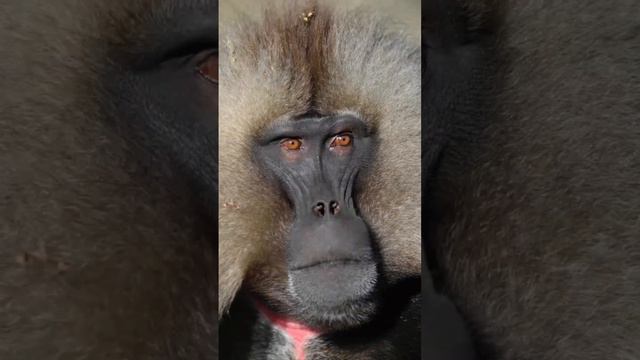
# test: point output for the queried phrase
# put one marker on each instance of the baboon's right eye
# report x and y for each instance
(291, 144)
(208, 68)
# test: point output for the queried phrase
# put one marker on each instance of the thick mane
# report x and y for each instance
(308, 58)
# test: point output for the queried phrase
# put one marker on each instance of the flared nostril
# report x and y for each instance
(318, 209)
(334, 207)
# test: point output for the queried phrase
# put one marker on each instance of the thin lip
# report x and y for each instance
(333, 262)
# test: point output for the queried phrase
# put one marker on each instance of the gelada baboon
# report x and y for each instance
(531, 153)
(108, 150)
(319, 187)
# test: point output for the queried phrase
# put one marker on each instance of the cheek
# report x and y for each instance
(269, 275)
(213, 100)
(206, 104)
(291, 157)
(341, 151)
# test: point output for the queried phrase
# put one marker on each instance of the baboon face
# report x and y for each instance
(330, 261)
(319, 163)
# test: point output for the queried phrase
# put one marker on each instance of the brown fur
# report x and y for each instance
(539, 188)
(282, 67)
(100, 257)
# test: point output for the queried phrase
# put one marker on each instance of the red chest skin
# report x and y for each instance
(299, 333)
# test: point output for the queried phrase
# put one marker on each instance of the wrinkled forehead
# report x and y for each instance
(309, 126)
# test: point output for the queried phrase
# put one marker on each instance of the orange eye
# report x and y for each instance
(341, 140)
(291, 144)
(209, 68)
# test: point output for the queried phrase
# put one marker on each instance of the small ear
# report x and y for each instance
(448, 23)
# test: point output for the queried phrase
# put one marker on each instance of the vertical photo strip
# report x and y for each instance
(319, 165)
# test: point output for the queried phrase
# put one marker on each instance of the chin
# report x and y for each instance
(325, 298)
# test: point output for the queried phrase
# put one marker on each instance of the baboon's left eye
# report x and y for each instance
(341, 140)
(208, 68)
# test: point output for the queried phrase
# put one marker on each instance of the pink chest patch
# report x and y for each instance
(299, 333)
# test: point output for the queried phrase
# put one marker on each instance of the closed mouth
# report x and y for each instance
(334, 262)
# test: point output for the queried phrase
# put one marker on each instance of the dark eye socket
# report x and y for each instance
(208, 68)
